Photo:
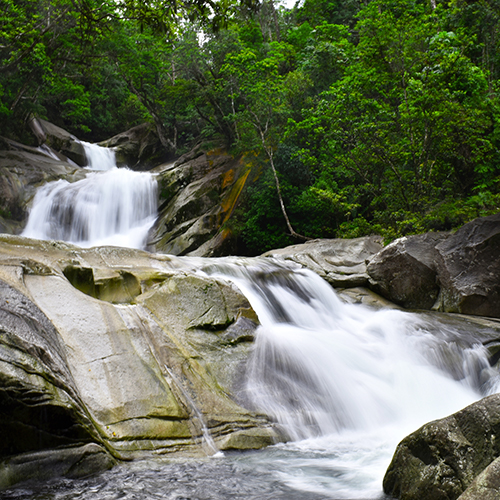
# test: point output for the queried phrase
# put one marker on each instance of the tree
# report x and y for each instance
(263, 94)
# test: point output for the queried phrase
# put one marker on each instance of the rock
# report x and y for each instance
(40, 405)
(198, 194)
(59, 140)
(486, 486)
(72, 463)
(468, 267)
(404, 272)
(360, 295)
(138, 148)
(121, 349)
(341, 262)
(442, 458)
(23, 170)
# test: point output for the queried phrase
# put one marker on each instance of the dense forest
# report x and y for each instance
(374, 116)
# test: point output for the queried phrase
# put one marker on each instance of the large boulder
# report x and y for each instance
(138, 148)
(341, 262)
(441, 459)
(468, 265)
(59, 139)
(198, 195)
(404, 272)
(128, 351)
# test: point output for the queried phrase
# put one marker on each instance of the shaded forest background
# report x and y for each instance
(378, 116)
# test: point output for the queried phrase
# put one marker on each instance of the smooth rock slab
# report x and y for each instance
(341, 262)
(120, 348)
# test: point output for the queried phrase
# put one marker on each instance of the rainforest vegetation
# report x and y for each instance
(378, 116)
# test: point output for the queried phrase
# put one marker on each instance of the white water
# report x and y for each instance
(110, 206)
(347, 383)
(99, 158)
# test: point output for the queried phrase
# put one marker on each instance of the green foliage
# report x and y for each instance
(377, 117)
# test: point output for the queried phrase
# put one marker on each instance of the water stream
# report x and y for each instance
(345, 382)
(111, 206)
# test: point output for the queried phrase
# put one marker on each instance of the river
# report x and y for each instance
(345, 382)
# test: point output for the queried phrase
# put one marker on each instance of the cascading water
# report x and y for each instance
(99, 158)
(111, 207)
(347, 382)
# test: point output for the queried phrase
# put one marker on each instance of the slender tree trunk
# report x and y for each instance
(270, 155)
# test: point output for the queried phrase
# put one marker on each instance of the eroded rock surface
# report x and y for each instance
(23, 170)
(197, 196)
(469, 268)
(442, 458)
(59, 140)
(119, 348)
(486, 486)
(341, 262)
(138, 148)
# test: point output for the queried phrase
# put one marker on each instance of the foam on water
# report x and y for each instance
(347, 383)
(111, 206)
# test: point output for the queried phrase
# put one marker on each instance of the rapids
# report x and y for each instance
(346, 383)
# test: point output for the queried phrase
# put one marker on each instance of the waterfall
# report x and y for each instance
(111, 206)
(347, 382)
(99, 158)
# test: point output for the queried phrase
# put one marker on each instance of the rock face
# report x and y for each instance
(115, 354)
(457, 273)
(197, 196)
(340, 262)
(405, 271)
(486, 486)
(59, 140)
(469, 268)
(441, 459)
(138, 148)
(22, 171)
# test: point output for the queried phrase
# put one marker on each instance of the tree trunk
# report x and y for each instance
(280, 197)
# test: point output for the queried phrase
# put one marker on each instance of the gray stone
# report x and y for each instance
(120, 348)
(442, 458)
(341, 262)
(404, 272)
(60, 140)
(198, 195)
(72, 463)
(138, 148)
(468, 267)
(486, 486)
(23, 170)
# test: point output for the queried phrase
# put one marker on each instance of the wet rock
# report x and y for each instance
(442, 458)
(486, 486)
(341, 262)
(23, 170)
(198, 194)
(365, 296)
(405, 273)
(120, 348)
(468, 266)
(60, 140)
(72, 463)
(138, 148)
